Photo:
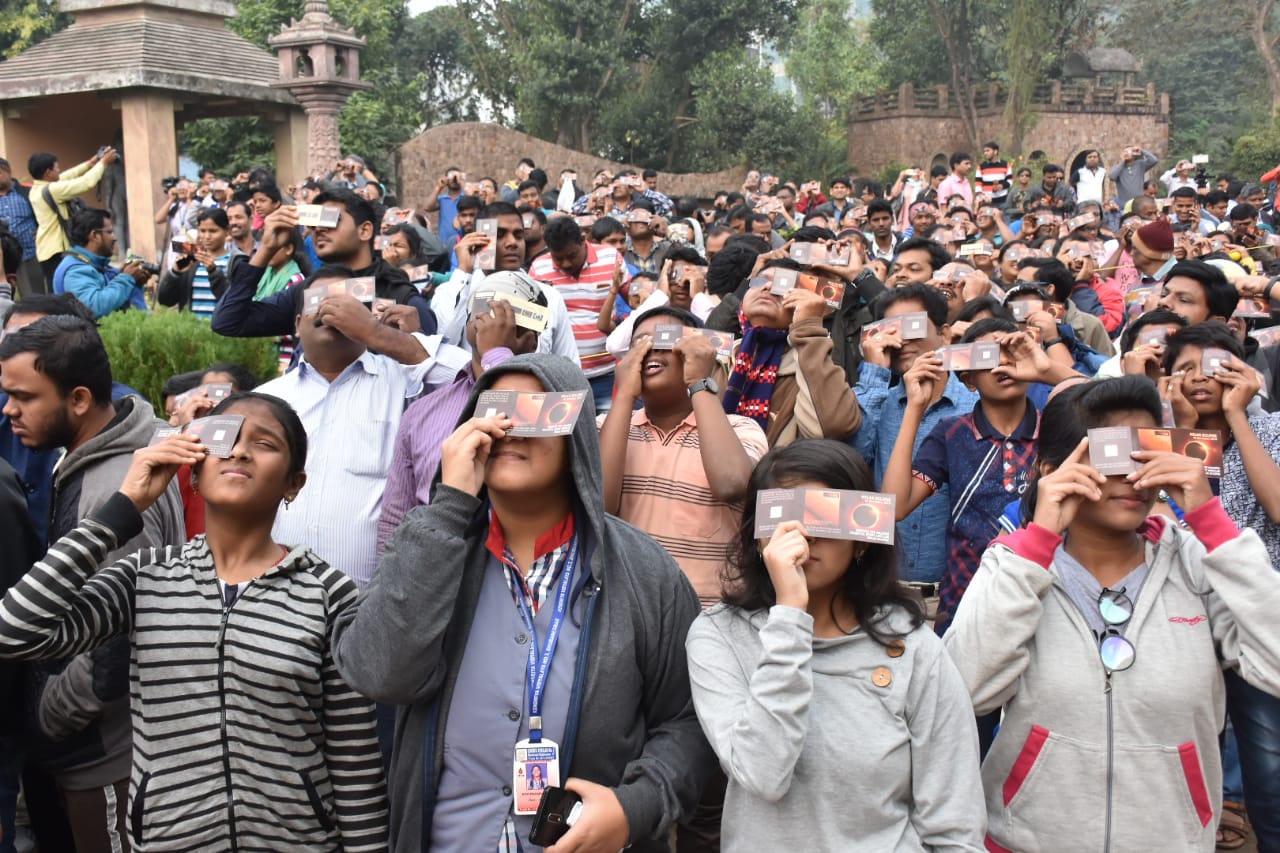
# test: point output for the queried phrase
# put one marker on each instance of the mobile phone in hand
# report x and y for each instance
(559, 810)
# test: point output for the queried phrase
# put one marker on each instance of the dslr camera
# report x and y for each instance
(1201, 175)
(169, 183)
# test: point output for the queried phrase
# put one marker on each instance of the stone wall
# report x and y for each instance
(921, 140)
(481, 149)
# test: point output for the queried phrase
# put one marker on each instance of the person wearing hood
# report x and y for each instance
(58, 380)
(450, 627)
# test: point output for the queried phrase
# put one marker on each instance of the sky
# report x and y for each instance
(416, 6)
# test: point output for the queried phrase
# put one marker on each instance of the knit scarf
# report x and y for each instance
(755, 371)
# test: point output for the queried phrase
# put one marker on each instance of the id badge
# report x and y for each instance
(537, 767)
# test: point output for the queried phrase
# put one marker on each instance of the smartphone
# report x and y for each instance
(558, 811)
(103, 150)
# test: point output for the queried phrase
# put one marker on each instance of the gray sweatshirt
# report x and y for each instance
(1090, 764)
(835, 744)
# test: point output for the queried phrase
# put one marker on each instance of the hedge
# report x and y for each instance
(146, 349)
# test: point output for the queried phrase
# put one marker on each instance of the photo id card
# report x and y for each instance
(536, 768)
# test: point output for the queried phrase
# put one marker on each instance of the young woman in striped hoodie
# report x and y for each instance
(245, 736)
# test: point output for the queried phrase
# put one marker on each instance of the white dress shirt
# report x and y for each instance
(351, 428)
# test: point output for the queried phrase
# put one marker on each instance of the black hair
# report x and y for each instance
(11, 250)
(686, 207)
(732, 265)
(1069, 416)
(295, 434)
(39, 163)
(498, 208)
(525, 161)
(979, 305)
(1054, 273)
(539, 177)
(938, 172)
(241, 376)
(1203, 335)
(1158, 317)
(959, 157)
(562, 232)
(871, 582)
(55, 305)
(1213, 197)
(468, 202)
(357, 206)
(84, 223)
(1183, 192)
(812, 234)
(239, 203)
(995, 146)
(686, 318)
(1219, 294)
(413, 238)
(939, 257)
(180, 383)
(604, 227)
(879, 205)
(986, 327)
(1052, 169)
(68, 350)
(840, 179)
(536, 212)
(649, 173)
(1241, 212)
(271, 191)
(643, 204)
(686, 254)
(527, 185)
(1004, 247)
(935, 304)
(217, 214)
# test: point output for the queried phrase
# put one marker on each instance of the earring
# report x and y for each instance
(287, 502)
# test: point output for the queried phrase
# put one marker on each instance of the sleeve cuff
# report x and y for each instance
(494, 357)
(1033, 542)
(120, 516)
(1211, 524)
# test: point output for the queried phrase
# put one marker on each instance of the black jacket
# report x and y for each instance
(21, 549)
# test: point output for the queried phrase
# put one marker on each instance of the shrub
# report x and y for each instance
(145, 350)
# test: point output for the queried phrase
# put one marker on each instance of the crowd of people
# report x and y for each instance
(310, 611)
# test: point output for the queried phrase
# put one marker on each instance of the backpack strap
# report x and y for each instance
(57, 211)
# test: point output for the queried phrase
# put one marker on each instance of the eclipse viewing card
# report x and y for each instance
(828, 513)
(1110, 448)
(318, 216)
(537, 414)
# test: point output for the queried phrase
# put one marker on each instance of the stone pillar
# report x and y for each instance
(150, 152)
(323, 150)
(291, 147)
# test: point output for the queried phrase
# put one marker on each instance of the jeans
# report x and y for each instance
(1232, 784)
(1255, 715)
(602, 391)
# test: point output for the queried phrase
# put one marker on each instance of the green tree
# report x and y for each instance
(25, 22)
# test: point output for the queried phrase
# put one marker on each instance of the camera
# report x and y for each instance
(1201, 176)
(149, 270)
(169, 182)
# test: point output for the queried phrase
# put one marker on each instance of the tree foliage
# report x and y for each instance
(25, 22)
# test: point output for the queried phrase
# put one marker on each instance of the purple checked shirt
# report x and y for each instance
(423, 428)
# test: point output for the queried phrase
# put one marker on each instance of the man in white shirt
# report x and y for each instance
(350, 388)
(1091, 179)
(451, 301)
(1179, 176)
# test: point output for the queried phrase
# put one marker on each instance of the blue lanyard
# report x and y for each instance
(540, 665)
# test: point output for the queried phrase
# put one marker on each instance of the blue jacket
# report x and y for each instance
(92, 280)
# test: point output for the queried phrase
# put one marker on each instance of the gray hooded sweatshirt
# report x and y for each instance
(1094, 763)
(630, 723)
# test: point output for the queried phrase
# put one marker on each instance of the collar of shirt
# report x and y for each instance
(550, 552)
(370, 362)
(1027, 430)
(640, 417)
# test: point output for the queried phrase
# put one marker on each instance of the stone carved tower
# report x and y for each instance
(320, 67)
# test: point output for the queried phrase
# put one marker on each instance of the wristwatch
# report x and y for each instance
(707, 384)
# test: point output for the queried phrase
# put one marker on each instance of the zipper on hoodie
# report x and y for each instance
(592, 594)
(1111, 763)
(222, 727)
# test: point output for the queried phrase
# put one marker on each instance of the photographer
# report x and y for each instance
(199, 275)
(177, 214)
(85, 269)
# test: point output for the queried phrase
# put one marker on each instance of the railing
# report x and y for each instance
(1086, 96)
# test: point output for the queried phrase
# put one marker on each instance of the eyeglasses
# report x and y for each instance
(1116, 609)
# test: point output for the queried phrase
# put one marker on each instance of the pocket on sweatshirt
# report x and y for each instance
(317, 804)
(1054, 787)
(139, 803)
(1164, 787)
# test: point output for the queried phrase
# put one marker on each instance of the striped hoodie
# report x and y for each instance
(244, 735)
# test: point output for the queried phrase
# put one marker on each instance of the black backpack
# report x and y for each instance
(74, 206)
